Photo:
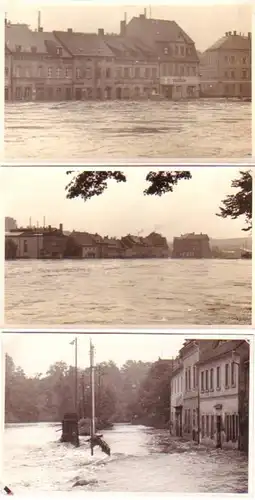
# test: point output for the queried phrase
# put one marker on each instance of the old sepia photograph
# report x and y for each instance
(127, 247)
(117, 82)
(101, 413)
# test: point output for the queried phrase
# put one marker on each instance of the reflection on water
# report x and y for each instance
(140, 292)
(78, 130)
(33, 459)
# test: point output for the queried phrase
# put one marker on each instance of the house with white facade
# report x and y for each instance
(218, 369)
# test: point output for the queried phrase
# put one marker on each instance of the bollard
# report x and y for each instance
(70, 432)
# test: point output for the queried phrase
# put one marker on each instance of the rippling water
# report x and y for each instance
(112, 129)
(131, 292)
(142, 459)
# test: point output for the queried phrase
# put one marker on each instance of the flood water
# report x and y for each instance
(142, 460)
(131, 292)
(66, 131)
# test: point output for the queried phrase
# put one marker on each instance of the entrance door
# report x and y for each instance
(168, 91)
(118, 93)
(78, 94)
(218, 431)
(68, 94)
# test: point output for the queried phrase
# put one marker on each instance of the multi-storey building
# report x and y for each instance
(38, 66)
(136, 66)
(219, 375)
(191, 245)
(26, 244)
(226, 67)
(93, 64)
(179, 74)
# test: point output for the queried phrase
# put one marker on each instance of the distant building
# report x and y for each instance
(88, 246)
(179, 75)
(191, 245)
(226, 67)
(158, 246)
(10, 224)
(28, 245)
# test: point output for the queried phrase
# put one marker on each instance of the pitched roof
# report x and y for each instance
(161, 29)
(84, 44)
(193, 236)
(231, 42)
(128, 46)
(83, 238)
(218, 351)
(20, 35)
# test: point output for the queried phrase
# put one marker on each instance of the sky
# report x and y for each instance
(204, 22)
(39, 192)
(35, 352)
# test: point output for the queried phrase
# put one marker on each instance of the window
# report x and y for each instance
(59, 51)
(49, 72)
(244, 60)
(182, 70)
(18, 93)
(58, 93)
(244, 74)
(165, 50)
(78, 73)
(67, 72)
(212, 427)
(232, 59)
(233, 375)
(18, 72)
(203, 426)
(58, 72)
(25, 246)
(154, 73)
(202, 381)
(189, 379)
(194, 377)
(6, 71)
(232, 74)
(137, 72)
(226, 74)
(126, 72)
(27, 93)
(226, 375)
(211, 379)
(194, 418)
(206, 380)
(40, 71)
(182, 50)
(176, 50)
(108, 73)
(147, 73)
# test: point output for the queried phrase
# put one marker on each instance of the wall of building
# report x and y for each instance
(28, 246)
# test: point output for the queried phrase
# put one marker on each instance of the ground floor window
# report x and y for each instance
(231, 427)
(18, 93)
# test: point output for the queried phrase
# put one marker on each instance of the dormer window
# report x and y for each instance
(166, 50)
(59, 51)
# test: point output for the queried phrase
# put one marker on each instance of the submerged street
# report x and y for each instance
(142, 460)
(79, 130)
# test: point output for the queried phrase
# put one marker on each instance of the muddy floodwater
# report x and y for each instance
(142, 460)
(66, 131)
(128, 292)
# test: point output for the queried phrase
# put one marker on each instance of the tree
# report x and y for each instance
(10, 249)
(88, 184)
(240, 203)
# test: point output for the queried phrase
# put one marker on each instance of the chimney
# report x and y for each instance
(101, 31)
(226, 33)
(40, 29)
(61, 228)
(69, 30)
(142, 16)
(234, 33)
(145, 13)
(39, 20)
(123, 26)
(249, 35)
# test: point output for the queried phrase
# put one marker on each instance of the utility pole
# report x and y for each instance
(75, 343)
(198, 397)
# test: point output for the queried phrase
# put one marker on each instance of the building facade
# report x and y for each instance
(176, 404)
(191, 246)
(29, 245)
(179, 73)
(226, 67)
(38, 66)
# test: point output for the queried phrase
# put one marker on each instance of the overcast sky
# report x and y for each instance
(40, 191)
(205, 22)
(36, 352)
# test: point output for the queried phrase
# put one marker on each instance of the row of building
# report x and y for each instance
(54, 243)
(147, 59)
(210, 393)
